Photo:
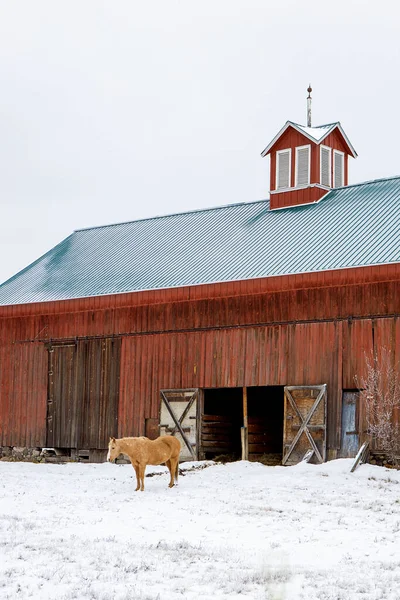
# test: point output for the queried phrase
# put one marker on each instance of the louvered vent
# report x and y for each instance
(338, 168)
(326, 166)
(303, 166)
(283, 169)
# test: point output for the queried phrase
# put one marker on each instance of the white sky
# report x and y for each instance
(116, 110)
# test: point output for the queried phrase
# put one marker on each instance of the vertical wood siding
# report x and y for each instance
(83, 393)
(23, 395)
(307, 330)
(307, 354)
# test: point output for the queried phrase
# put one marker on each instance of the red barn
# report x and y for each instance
(237, 328)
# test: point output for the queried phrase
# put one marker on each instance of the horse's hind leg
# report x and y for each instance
(171, 471)
(177, 471)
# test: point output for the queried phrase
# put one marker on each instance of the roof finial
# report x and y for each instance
(309, 90)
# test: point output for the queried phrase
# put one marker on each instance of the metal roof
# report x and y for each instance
(315, 134)
(353, 226)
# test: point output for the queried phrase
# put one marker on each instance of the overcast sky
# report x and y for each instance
(116, 110)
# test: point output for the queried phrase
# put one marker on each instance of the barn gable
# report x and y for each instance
(352, 226)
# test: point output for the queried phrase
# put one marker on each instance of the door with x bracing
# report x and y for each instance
(304, 430)
(178, 417)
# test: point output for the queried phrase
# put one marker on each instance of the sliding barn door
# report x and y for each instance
(304, 424)
(83, 390)
(178, 417)
(62, 401)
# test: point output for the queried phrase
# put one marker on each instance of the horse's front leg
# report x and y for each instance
(136, 467)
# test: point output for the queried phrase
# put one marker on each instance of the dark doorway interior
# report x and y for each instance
(223, 418)
(265, 416)
(221, 423)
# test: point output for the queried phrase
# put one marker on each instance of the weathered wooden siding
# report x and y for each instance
(302, 330)
(302, 354)
(23, 394)
(83, 393)
(289, 306)
(72, 309)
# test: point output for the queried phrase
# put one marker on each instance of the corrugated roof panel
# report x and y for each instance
(350, 227)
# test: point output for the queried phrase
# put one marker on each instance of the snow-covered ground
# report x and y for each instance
(234, 531)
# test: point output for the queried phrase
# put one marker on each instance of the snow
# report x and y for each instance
(241, 530)
(317, 132)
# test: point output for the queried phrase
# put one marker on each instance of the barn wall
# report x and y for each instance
(23, 394)
(289, 306)
(287, 336)
(282, 283)
(302, 354)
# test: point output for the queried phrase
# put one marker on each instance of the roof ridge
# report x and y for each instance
(316, 126)
(175, 214)
(222, 206)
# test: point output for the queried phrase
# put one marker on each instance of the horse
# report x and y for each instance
(142, 452)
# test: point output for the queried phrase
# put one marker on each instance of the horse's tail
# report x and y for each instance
(177, 471)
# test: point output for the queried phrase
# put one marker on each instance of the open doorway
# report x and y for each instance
(222, 420)
(265, 423)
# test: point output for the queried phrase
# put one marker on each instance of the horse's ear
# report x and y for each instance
(112, 439)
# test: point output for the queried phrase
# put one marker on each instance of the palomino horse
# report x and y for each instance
(143, 452)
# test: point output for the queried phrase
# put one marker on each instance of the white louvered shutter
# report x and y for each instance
(326, 166)
(338, 169)
(283, 169)
(303, 166)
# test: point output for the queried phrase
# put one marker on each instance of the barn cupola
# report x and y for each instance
(307, 161)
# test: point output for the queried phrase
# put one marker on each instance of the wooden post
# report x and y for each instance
(244, 431)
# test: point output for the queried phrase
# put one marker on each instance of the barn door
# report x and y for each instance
(98, 376)
(62, 397)
(304, 424)
(350, 435)
(178, 417)
(83, 389)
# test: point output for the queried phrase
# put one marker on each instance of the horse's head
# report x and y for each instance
(113, 449)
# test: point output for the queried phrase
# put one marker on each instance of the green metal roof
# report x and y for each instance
(353, 226)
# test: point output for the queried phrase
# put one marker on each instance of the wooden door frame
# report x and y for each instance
(196, 395)
(305, 421)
